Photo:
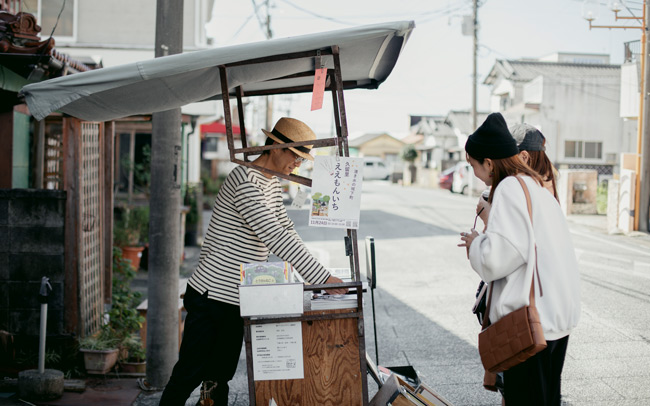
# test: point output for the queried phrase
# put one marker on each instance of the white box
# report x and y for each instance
(283, 299)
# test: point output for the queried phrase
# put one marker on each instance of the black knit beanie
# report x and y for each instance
(492, 140)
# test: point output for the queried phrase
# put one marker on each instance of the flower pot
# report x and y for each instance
(133, 367)
(99, 361)
(133, 254)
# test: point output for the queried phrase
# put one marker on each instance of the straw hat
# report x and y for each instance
(292, 130)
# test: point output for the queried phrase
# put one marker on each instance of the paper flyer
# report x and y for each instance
(277, 351)
(336, 192)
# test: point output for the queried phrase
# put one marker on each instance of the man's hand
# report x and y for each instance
(334, 279)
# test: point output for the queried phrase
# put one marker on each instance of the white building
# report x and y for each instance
(574, 99)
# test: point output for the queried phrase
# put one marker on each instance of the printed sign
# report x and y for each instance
(277, 351)
(336, 192)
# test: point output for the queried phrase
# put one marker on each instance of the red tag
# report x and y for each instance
(319, 89)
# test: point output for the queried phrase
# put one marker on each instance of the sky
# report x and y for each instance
(433, 75)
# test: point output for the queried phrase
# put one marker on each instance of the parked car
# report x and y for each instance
(446, 178)
(464, 179)
(460, 179)
(374, 169)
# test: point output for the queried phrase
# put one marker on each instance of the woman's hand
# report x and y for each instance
(467, 239)
(340, 291)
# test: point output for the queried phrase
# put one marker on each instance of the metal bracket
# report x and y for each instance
(348, 246)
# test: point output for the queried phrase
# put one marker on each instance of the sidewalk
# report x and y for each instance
(114, 390)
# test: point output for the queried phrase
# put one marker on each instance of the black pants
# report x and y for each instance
(212, 341)
(537, 380)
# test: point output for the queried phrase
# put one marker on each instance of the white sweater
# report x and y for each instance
(505, 254)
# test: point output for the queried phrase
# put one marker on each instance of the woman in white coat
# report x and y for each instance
(505, 254)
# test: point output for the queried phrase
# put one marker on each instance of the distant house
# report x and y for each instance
(379, 145)
(215, 155)
(440, 139)
(574, 99)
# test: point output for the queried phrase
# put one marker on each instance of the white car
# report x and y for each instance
(374, 169)
(462, 178)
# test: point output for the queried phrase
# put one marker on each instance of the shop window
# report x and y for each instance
(211, 144)
(583, 149)
(133, 158)
(594, 150)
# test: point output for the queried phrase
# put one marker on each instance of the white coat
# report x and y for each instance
(505, 254)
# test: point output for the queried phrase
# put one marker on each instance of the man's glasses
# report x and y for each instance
(298, 159)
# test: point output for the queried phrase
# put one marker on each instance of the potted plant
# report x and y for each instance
(410, 154)
(130, 233)
(133, 359)
(100, 351)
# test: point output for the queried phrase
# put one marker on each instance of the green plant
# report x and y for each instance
(601, 197)
(135, 351)
(132, 228)
(141, 170)
(124, 317)
(104, 340)
(409, 153)
(192, 216)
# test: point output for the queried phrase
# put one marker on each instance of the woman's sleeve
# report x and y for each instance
(503, 248)
(283, 242)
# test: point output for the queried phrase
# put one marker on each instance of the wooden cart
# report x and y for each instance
(334, 349)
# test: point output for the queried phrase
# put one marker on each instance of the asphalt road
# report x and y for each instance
(426, 290)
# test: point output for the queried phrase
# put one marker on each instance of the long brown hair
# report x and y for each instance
(510, 166)
(539, 162)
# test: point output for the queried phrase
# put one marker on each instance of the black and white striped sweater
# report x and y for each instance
(248, 221)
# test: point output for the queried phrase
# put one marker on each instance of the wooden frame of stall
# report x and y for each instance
(333, 367)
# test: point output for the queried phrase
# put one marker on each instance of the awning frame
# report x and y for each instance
(334, 83)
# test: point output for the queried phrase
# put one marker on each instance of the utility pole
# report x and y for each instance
(164, 216)
(474, 74)
(642, 167)
(269, 99)
(643, 163)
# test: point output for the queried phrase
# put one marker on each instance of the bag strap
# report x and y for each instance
(486, 319)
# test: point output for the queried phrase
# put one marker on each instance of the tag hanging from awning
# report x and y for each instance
(319, 89)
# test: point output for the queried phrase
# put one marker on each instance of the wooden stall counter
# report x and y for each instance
(333, 374)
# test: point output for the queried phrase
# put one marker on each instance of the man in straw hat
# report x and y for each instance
(248, 222)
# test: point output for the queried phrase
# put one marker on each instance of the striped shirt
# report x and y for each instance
(248, 222)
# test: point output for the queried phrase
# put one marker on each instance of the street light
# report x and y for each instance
(616, 5)
(590, 10)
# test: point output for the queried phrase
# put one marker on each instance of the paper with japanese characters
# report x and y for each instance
(277, 351)
(336, 192)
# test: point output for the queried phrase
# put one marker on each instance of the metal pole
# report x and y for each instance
(42, 297)
(164, 218)
(642, 198)
(474, 74)
(41, 344)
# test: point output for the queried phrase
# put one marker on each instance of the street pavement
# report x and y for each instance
(426, 290)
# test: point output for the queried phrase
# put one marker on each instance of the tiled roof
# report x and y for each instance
(528, 70)
(358, 141)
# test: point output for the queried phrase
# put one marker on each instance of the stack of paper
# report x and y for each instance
(328, 302)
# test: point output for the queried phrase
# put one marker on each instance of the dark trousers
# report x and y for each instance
(537, 380)
(212, 341)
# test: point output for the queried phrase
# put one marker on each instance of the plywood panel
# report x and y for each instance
(332, 368)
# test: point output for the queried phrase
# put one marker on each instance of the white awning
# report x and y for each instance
(367, 54)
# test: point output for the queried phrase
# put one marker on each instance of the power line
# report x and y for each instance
(322, 17)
